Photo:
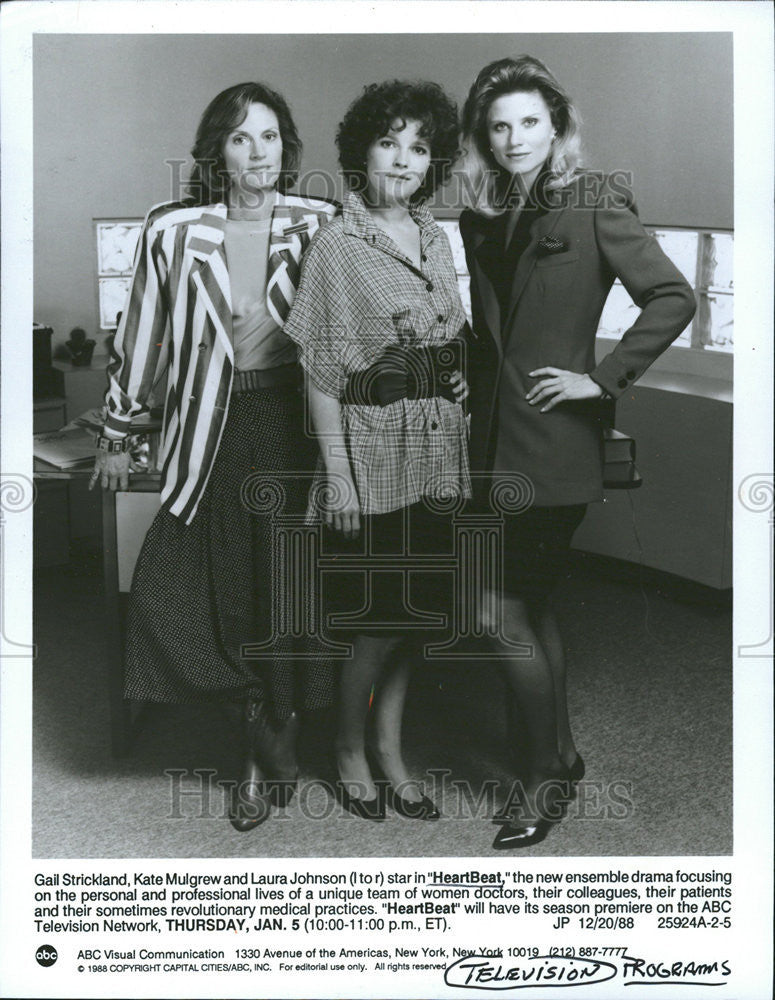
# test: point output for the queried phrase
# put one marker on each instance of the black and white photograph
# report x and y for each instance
(610, 637)
(374, 506)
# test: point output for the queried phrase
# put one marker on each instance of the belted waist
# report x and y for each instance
(266, 378)
(406, 373)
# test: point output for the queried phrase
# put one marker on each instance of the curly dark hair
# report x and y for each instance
(375, 113)
(209, 182)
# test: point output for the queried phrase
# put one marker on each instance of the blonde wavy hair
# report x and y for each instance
(486, 184)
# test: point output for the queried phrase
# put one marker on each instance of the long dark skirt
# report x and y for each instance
(203, 591)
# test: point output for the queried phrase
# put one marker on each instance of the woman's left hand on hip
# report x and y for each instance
(559, 386)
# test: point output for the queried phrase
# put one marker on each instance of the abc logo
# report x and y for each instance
(46, 955)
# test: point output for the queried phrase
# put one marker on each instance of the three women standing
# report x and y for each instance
(378, 322)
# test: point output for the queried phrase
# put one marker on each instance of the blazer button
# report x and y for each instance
(429, 286)
(630, 376)
(622, 383)
(440, 317)
(434, 426)
(423, 257)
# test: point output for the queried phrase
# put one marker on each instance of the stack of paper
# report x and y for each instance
(65, 449)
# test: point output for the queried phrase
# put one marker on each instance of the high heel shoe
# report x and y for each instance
(517, 833)
(577, 770)
(268, 753)
(250, 799)
(373, 809)
(512, 836)
(424, 809)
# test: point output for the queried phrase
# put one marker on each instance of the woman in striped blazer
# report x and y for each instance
(214, 279)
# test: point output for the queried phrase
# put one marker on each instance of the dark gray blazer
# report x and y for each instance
(554, 309)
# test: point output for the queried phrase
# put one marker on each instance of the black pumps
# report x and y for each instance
(511, 836)
(577, 770)
(425, 809)
(373, 809)
(268, 758)
(516, 833)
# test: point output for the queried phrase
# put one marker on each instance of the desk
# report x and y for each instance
(83, 387)
(51, 515)
(123, 721)
(680, 522)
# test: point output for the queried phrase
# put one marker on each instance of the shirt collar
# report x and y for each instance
(357, 220)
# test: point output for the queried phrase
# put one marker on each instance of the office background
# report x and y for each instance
(648, 599)
(110, 110)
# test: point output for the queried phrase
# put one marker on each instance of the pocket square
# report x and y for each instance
(550, 245)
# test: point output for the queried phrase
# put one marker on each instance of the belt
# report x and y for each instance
(266, 378)
(406, 373)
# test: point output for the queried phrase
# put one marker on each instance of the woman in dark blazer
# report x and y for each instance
(544, 242)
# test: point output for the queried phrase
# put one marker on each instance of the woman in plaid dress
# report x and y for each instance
(377, 319)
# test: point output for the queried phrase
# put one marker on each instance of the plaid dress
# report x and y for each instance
(359, 294)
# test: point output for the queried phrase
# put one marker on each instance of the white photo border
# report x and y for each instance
(750, 23)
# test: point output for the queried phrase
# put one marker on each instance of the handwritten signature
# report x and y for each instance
(480, 972)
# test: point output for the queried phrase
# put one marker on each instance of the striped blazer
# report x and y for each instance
(178, 318)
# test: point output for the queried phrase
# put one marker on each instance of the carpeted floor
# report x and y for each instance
(650, 693)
